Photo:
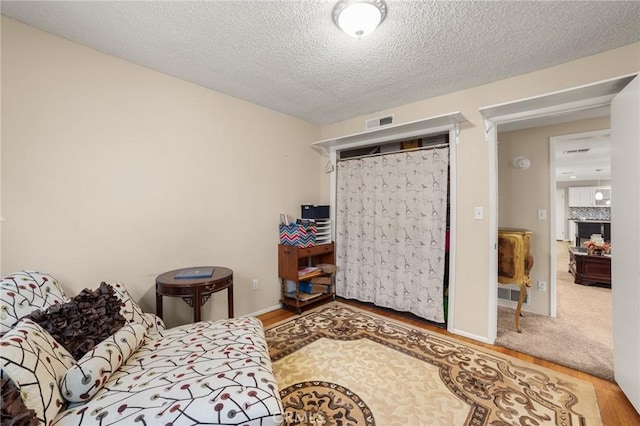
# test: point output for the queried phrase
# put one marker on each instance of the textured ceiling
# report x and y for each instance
(592, 163)
(289, 56)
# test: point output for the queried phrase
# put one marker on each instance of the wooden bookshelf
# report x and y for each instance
(290, 259)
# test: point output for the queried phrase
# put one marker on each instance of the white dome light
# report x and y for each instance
(359, 18)
(599, 196)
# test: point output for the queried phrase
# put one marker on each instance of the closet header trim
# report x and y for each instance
(563, 102)
(400, 151)
(424, 127)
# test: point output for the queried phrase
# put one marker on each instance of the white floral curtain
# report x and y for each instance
(390, 224)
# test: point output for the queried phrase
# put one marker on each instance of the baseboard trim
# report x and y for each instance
(262, 311)
(462, 333)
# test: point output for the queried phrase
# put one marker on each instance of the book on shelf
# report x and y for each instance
(308, 272)
(192, 273)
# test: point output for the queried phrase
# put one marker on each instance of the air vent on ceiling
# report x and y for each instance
(576, 151)
(378, 122)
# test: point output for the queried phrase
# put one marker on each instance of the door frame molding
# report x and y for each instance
(446, 123)
(562, 102)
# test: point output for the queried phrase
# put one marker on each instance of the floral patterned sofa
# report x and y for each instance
(98, 358)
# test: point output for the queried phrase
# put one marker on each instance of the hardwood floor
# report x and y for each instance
(615, 408)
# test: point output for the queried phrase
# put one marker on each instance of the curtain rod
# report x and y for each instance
(422, 148)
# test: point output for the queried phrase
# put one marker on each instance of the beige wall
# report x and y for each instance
(472, 256)
(111, 171)
(522, 192)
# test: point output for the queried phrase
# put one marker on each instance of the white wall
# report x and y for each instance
(625, 263)
(111, 171)
(522, 192)
(472, 257)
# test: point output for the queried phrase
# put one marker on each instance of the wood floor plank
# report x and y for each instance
(615, 408)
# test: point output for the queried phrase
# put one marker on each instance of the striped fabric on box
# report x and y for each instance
(298, 235)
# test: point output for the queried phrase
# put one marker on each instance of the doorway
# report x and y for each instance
(580, 168)
(569, 334)
(623, 96)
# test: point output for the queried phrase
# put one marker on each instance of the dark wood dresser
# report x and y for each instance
(590, 269)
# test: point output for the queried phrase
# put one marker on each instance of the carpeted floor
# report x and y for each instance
(580, 337)
(338, 365)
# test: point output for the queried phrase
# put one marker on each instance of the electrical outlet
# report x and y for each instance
(255, 284)
(542, 286)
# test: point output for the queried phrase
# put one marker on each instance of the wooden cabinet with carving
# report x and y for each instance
(515, 262)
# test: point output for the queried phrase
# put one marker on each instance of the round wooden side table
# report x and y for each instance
(194, 291)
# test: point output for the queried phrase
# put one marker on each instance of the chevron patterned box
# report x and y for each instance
(298, 235)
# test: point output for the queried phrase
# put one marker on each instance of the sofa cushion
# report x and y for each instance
(132, 312)
(204, 373)
(84, 321)
(35, 363)
(83, 380)
(24, 292)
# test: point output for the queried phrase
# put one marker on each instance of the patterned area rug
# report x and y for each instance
(338, 365)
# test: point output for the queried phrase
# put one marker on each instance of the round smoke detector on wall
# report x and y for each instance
(521, 163)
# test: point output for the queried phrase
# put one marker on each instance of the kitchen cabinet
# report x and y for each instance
(581, 196)
(573, 230)
(606, 197)
(585, 196)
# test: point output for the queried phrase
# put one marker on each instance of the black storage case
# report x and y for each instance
(310, 211)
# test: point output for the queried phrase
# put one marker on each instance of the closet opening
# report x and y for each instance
(430, 131)
(393, 226)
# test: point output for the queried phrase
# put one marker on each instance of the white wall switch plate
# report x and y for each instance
(542, 286)
(542, 214)
(255, 284)
(478, 213)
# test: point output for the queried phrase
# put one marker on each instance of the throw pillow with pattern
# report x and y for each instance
(24, 292)
(82, 381)
(35, 363)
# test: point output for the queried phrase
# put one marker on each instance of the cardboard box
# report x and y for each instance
(412, 144)
(321, 288)
(327, 268)
(321, 280)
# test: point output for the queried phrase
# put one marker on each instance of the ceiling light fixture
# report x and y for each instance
(599, 195)
(359, 17)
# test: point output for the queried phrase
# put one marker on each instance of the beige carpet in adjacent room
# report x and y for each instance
(580, 337)
(339, 365)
